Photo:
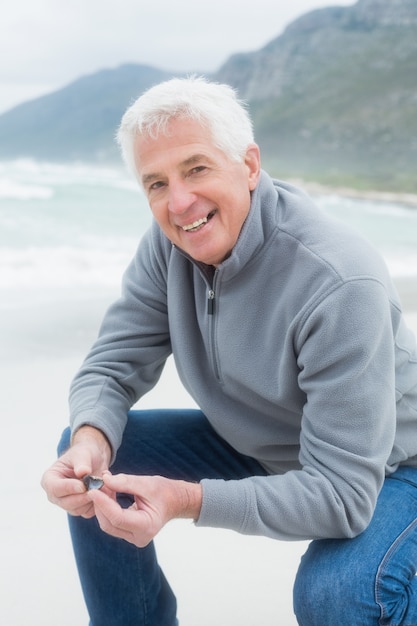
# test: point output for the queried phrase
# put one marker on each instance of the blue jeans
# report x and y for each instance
(369, 579)
(364, 581)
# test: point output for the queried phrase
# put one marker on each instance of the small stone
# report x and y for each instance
(92, 482)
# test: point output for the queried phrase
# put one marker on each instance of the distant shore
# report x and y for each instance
(316, 189)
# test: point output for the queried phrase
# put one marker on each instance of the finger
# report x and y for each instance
(58, 488)
(107, 507)
(87, 511)
(77, 505)
(111, 517)
(138, 486)
(130, 524)
(122, 483)
(55, 474)
(84, 466)
(67, 493)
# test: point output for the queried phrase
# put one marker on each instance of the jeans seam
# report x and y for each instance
(142, 591)
(384, 562)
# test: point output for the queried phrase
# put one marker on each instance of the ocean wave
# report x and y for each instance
(62, 266)
(11, 189)
(83, 224)
(402, 265)
(344, 206)
(68, 267)
(28, 171)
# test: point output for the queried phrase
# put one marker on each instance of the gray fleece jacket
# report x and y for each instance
(304, 362)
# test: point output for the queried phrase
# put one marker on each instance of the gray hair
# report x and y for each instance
(214, 105)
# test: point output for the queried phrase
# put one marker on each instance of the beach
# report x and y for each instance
(66, 235)
(220, 577)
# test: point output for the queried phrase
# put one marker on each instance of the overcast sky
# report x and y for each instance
(45, 44)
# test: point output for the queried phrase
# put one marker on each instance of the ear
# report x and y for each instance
(253, 163)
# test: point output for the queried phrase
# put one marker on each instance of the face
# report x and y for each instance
(198, 195)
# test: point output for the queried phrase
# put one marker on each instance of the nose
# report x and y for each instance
(180, 198)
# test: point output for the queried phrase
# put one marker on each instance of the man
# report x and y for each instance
(287, 331)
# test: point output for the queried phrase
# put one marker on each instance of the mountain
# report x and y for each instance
(333, 98)
(78, 121)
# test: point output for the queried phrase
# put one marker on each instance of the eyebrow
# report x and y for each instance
(192, 160)
(148, 178)
(195, 158)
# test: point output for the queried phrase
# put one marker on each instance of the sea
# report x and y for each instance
(67, 232)
(64, 226)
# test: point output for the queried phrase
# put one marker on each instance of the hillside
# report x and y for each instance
(334, 99)
(78, 121)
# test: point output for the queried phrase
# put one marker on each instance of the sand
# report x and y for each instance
(220, 577)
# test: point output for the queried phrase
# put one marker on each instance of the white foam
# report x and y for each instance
(62, 267)
(29, 171)
(402, 265)
(101, 266)
(53, 247)
(21, 191)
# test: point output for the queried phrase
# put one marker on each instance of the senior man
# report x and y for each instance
(287, 331)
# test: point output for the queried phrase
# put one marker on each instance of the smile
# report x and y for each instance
(198, 224)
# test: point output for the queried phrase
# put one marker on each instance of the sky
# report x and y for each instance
(46, 44)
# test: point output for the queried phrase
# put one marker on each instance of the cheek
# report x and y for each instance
(240, 211)
(162, 218)
(158, 212)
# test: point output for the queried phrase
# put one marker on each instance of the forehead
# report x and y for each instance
(185, 140)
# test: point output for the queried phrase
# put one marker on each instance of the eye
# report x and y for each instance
(197, 170)
(156, 185)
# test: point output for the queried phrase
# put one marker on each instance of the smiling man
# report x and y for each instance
(287, 331)
(198, 195)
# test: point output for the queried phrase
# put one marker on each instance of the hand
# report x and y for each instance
(157, 500)
(89, 453)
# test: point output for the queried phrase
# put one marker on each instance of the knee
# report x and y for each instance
(314, 593)
(328, 591)
(64, 442)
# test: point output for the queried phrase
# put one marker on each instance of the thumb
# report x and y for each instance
(83, 462)
(123, 483)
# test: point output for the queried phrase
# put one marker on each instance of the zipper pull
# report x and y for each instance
(210, 302)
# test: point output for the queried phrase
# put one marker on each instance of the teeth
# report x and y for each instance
(196, 224)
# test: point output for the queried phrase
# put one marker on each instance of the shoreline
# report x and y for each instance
(313, 187)
(373, 195)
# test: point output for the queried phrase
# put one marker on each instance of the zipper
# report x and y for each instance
(210, 282)
(212, 322)
(210, 302)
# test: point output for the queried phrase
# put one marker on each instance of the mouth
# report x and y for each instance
(198, 224)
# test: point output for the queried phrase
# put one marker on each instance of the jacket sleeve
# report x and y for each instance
(345, 355)
(127, 359)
